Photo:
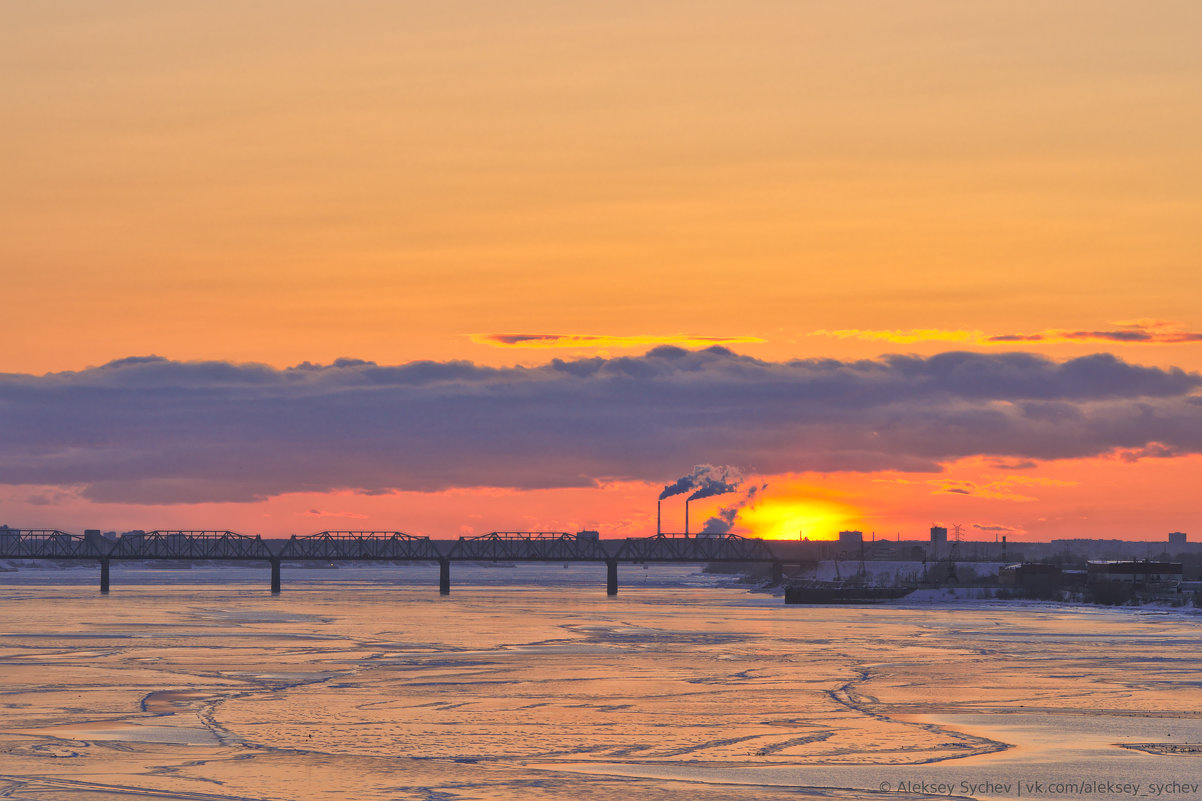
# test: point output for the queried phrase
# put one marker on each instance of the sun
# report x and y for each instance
(795, 517)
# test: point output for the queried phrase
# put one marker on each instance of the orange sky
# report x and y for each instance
(282, 183)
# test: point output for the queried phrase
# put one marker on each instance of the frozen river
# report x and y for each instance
(529, 683)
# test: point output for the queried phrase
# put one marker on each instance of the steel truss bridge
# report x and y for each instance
(387, 546)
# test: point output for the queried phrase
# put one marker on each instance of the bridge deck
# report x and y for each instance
(383, 546)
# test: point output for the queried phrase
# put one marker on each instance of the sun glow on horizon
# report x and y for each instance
(794, 516)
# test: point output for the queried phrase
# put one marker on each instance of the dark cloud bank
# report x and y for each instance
(151, 430)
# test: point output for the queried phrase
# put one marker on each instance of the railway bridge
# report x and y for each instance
(391, 547)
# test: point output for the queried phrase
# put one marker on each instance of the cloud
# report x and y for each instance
(152, 430)
(1002, 489)
(1093, 337)
(1131, 332)
(1153, 450)
(323, 513)
(1012, 464)
(605, 341)
(52, 496)
(904, 336)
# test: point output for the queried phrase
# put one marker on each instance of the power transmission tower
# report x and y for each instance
(957, 535)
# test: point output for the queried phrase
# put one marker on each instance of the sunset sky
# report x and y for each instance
(457, 267)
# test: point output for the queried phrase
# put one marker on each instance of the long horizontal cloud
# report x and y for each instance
(152, 430)
(577, 341)
(1135, 332)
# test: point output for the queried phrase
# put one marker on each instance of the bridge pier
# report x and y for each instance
(275, 576)
(444, 576)
(611, 577)
(778, 572)
(104, 576)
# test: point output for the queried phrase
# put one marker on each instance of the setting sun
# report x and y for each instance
(796, 515)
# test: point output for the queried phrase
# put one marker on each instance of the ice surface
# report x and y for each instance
(362, 683)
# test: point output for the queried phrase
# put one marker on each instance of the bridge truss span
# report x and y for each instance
(529, 546)
(360, 546)
(695, 548)
(219, 545)
(16, 543)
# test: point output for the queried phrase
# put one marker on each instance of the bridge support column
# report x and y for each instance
(778, 572)
(611, 577)
(444, 576)
(275, 576)
(104, 576)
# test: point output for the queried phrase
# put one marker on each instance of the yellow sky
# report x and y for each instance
(289, 182)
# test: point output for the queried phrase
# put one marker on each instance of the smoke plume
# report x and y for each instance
(706, 479)
(724, 522)
(682, 484)
(717, 481)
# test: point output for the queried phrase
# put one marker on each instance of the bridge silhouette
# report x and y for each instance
(392, 546)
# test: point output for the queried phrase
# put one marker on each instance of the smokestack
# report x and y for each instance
(686, 517)
(658, 516)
